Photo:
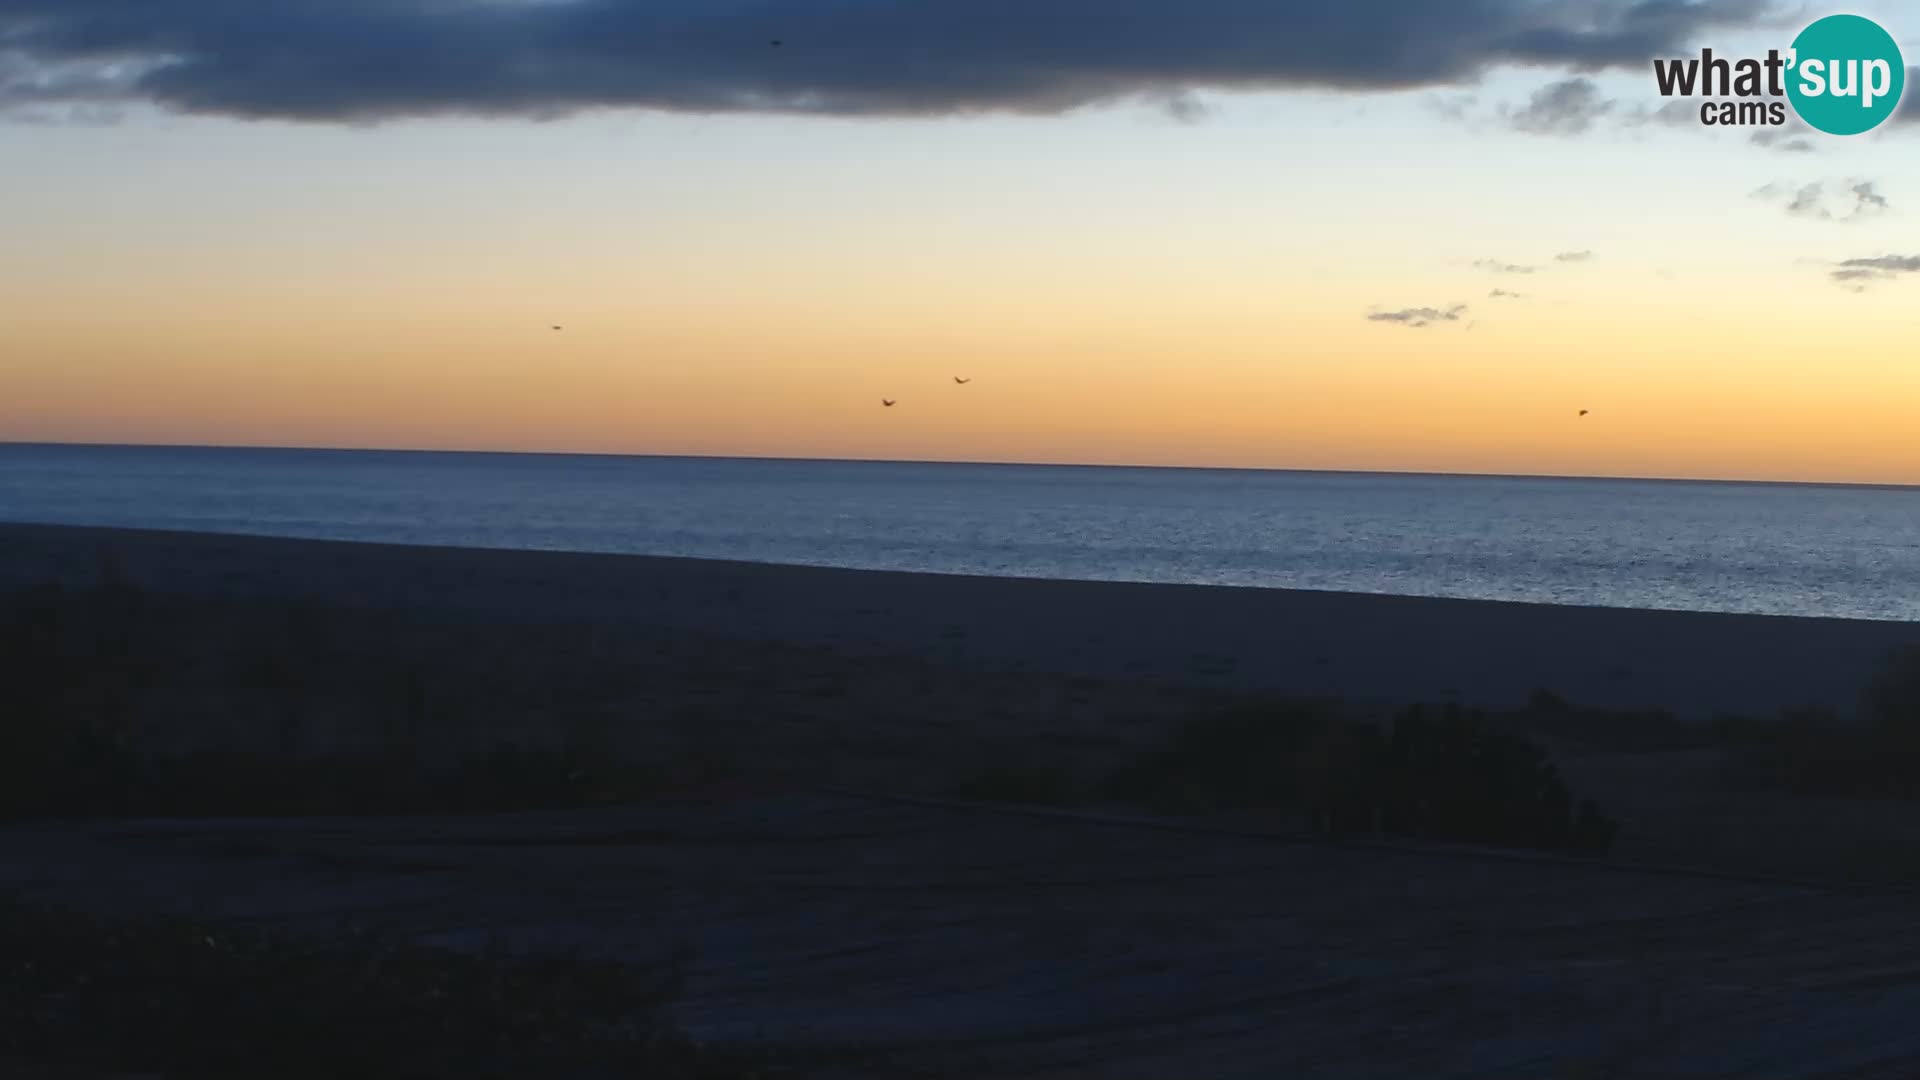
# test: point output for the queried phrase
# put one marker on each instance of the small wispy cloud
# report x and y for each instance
(1821, 200)
(1182, 106)
(1577, 106)
(1574, 257)
(1418, 317)
(1495, 266)
(1786, 140)
(1505, 294)
(1568, 107)
(1856, 273)
(1455, 107)
(1806, 202)
(1867, 197)
(1680, 114)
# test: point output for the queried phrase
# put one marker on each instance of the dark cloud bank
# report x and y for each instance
(337, 60)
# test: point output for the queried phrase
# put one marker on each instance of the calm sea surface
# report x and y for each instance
(1778, 548)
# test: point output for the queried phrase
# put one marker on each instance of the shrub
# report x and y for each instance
(77, 666)
(1244, 759)
(1815, 751)
(1455, 777)
(1448, 776)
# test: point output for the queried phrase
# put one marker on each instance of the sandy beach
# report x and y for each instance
(1138, 639)
(802, 677)
(827, 911)
(939, 941)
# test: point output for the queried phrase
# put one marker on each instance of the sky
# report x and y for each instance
(1386, 235)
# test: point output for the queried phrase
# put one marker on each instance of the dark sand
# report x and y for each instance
(929, 941)
(979, 942)
(1361, 649)
(914, 683)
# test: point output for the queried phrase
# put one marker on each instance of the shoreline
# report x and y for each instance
(1361, 648)
(1877, 485)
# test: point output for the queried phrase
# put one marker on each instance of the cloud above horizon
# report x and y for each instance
(361, 60)
(1567, 107)
(1501, 266)
(1419, 317)
(1855, 273)
(1576, 106)
(1792, 139)
(1843, 200)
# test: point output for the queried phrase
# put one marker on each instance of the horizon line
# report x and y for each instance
(481, 452)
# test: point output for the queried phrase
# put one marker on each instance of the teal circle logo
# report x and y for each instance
(1846, 75)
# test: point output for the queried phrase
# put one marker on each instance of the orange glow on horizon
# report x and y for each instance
(1119, 294)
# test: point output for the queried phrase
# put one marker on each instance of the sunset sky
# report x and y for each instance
(1154, 240)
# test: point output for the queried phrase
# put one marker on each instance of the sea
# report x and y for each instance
(1799, 549)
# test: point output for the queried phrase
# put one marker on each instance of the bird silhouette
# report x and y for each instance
(556, 328)
(888, 402)
(961, 381)
(1583, 412)
(776, 43)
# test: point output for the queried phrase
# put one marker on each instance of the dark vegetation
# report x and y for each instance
(1446, 775)
(1814, 752)
(115, 701)
(172, 998)
(1442, 775)
(106, 710)
(1464, 776)
(298, 721)
(1805, 751)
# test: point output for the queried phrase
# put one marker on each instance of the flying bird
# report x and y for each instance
(1583, 412)
(888, 402)
(556, 328)
(957, 379)
(776, 43)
